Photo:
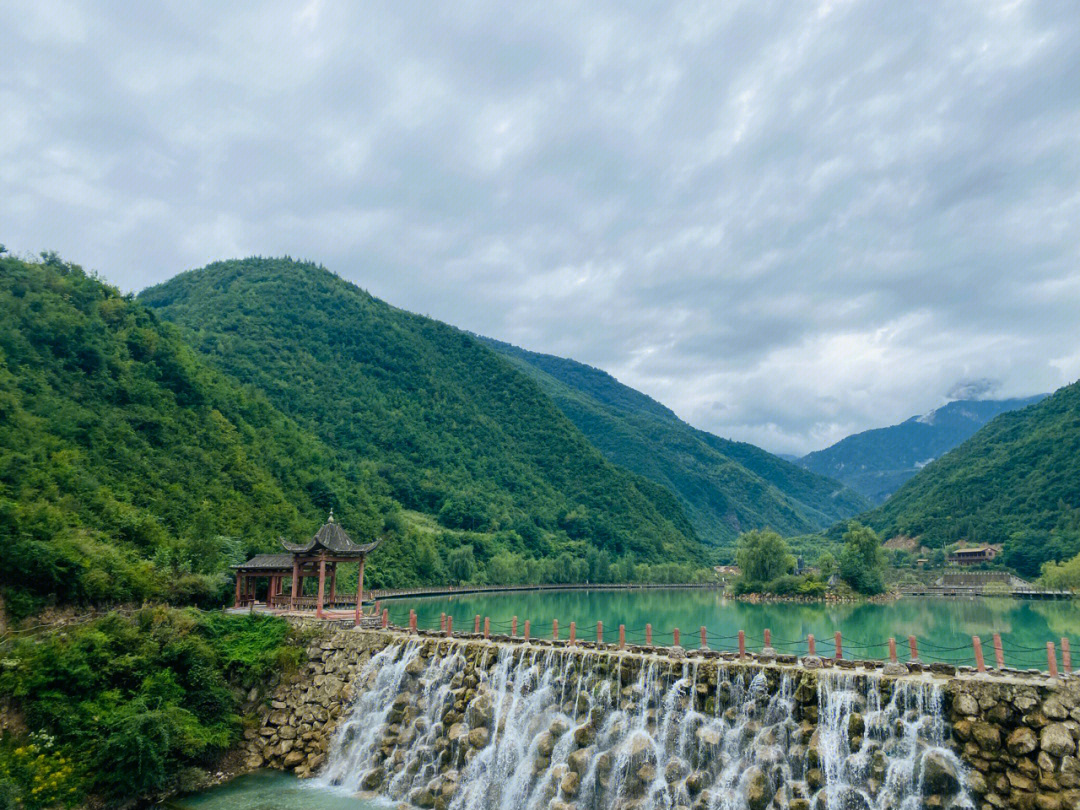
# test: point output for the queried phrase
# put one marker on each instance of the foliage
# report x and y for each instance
(135, 700)
(724, 486)
(451, 429)
(862, 560)
(1061, 576)
(1013, 482)
(763, 556)
(129, 469)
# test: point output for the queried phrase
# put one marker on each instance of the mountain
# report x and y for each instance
(877, 462)
(450, 427)
(1016, 482)
(725, 487)
(127, 464)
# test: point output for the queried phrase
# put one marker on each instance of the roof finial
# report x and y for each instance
(331, 520)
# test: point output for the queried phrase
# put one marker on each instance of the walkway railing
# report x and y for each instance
(449, 590)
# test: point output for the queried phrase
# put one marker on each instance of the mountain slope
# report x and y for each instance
(877, 462)
(1016, 481)
(726, 487)
(125, 462)
(455, 430)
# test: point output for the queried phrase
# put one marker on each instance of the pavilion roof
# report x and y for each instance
(267, 561)
(334, 539)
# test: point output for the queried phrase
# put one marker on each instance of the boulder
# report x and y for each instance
(965, 704)
(758, 790)
(569, 783)
(479, 737)
(939, 775)
(579, 760)
(1022, 741)
(1056, 740)
(456, 732)
(986, 736)
(292, 759)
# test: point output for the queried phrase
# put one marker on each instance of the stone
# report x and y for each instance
(578, 761)
(939, 775)
(758, 793)
(986, 736)
(1022, 742)
(457, 731)
(1056, 740)
(1054, 709)
(569, 783)
(1020, 782)
(292, 759)
(1048, 801)
(583, 735)
(254, 762)
(966, 704)
(479, 737)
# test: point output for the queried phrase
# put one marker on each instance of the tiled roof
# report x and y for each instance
(268, 561)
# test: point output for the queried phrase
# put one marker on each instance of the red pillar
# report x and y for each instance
(237, 602)
(892, 649)
(648, 635)
(742, 644)
(675, 636)
(573, 633)
(333, 583)
(622, 636)
(295, 583)
(322, 586)
(599, 632)
(839, 645)
(513, 626)
(360, 592)
(980, 664)
(999, 652)
(1066, 656)
(1051, 659)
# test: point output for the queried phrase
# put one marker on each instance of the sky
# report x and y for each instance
(787, 221)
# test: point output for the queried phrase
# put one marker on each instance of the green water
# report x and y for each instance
(943, 627)
(272, 790)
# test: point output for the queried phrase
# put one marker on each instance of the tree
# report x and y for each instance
(462, 563)
(1062, 576)
(862, 562)
(763, 556)
(827, 564)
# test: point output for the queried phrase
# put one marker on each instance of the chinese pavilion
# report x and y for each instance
(315, 558)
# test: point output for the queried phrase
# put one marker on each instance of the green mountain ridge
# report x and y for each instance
(1015, 482)
(726, 487)
(452, 428)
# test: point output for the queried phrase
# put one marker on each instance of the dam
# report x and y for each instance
(428, 721)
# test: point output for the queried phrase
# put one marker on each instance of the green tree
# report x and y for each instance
(1062, 576)
(827, 564)
(461, 563)
(862, 561)
(763, 556)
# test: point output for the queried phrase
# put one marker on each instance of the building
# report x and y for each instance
(971, 556)
(318, 557)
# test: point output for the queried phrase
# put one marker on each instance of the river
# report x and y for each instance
(942, 626)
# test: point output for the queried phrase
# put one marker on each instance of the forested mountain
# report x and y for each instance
(1016, 481)
(129, 469)
(451, 428)
(877, 462)
(726, 487)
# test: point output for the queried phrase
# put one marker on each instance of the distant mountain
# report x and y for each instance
(450, 428)
(877, 462)
(725, 487)
(1016, 482)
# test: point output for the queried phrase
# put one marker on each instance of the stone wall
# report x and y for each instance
(1017, 736)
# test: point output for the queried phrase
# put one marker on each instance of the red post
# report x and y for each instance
(385, 618)
(513, 626)
(811, 647)
(839, 646)
(322, 586)
(449, 626)
(999, 652)
(295, 589)
(487, 627)
(704, 639)
(526, 629)
(980, 664)
(554, 629)
(1051, 659)
(1066, 656)
(768, 637)
(742, 644)
(599, 632)
(442, 622)
(412, 620)
(648, 635)
(892, 649)
(622, 636)
(476, 624)
(675, 634)
(378, 610)
(573, 633)
(236, 603)
(914, 648)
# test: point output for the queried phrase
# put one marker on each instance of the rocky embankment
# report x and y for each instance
(1009, 743)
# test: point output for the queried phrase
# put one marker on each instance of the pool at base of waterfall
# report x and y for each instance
(274, 790)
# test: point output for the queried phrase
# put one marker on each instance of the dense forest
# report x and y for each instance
(1015, 482)
(452, 429)
(726, 487)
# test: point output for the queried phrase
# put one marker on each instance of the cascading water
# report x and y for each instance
(473, 727)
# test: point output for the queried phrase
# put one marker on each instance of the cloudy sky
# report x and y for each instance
(788, 221)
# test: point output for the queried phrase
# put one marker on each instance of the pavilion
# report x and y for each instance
(322, 553)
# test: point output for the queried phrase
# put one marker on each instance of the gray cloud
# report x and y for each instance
(787, 221)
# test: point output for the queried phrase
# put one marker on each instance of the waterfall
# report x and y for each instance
(517, 727)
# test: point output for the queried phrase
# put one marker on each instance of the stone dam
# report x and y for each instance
(473, 723)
